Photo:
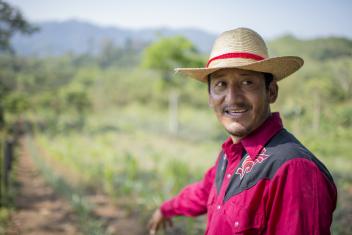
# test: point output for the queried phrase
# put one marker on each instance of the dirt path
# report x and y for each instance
(39, 210)
(42, 211)
(114, 217)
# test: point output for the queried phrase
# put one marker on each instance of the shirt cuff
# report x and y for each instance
(167, 209)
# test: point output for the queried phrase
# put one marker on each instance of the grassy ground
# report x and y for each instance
(130, 153)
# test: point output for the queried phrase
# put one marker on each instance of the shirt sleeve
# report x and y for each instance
(301, 200)
(192, 200)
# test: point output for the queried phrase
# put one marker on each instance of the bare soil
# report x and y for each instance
(41, 211)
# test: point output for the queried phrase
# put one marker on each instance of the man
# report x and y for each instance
(264, 180)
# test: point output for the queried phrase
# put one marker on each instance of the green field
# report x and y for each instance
(107, 127)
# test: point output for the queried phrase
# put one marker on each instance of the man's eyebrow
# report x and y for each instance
(216, 75)
(247, 74)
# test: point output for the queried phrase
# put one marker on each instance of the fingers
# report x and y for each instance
(158, 220)
(154, 222)
(171, 224)
(153, 228)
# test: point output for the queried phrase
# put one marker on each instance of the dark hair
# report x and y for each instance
(268, 79)
(267, 76)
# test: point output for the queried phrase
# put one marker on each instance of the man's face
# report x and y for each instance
(240, 99)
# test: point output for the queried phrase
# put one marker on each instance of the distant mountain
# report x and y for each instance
(78, 37)
(57, 38)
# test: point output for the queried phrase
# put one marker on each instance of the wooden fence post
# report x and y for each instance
(8, 160)
(1, 166)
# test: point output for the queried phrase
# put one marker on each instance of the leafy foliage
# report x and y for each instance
(11, 21)
(107, 122)
(169, 53)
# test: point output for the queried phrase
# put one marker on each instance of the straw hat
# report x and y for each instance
(244, 48)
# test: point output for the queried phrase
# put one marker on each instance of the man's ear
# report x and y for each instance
(273, 92)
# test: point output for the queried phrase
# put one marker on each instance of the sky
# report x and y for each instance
(270, 18)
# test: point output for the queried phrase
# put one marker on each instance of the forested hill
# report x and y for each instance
(57, 38)
(78, 37)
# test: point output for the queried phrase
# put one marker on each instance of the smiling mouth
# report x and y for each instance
(235, 112)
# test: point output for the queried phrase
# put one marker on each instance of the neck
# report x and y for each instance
(235, 139)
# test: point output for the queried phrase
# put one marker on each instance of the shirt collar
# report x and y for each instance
(255, 141)
(232, 150)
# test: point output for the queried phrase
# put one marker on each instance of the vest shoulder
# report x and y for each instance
(284, 147)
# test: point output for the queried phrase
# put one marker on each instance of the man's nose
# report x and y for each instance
(234, 94)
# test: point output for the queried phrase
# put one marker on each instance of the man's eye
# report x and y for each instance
(247, 82)
(220, 84)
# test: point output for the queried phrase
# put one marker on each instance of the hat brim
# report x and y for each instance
(279, 67)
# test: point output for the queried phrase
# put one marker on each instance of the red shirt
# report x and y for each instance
(268, 183)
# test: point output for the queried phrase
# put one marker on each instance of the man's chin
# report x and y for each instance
(238, 133)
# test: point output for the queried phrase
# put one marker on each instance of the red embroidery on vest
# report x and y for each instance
(248, 163)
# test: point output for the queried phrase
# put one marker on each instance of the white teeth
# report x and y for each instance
(237, 111)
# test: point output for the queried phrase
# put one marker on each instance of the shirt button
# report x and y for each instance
(228, 176)
(237, 224)
(218, 207)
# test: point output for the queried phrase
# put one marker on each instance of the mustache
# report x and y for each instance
(227, 107)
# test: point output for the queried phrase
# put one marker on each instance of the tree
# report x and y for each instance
(165, 55)
(169, 53)
(77, 100)
(11, 21)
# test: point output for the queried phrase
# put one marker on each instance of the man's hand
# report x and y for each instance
(158, 220)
